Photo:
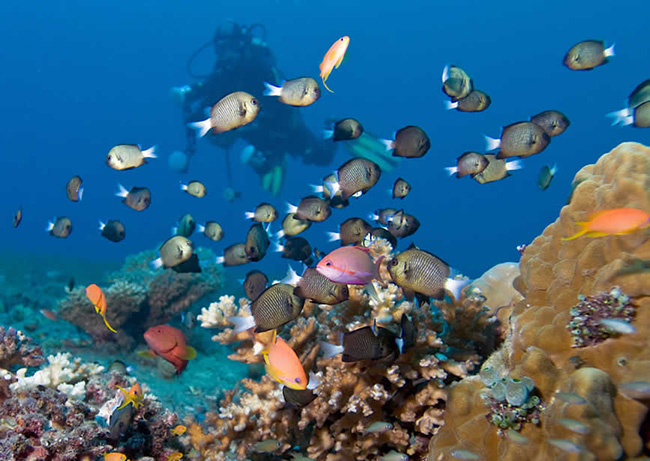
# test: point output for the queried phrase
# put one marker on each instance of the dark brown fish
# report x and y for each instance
(299, 398)
(521, 139)
(383, 215)
(312, 285)
(195, 188)
(232, 111)
(380, 232)
(292, 226)
(364, 344)
(355, 177)
(113, 230)
(421, 272)
(277, 305)
(554, 122)
(212, 230)
(191, 266)
(351, 232)
(174, 251)
(119, 422)
(344, 130)
(311, 208)
(138, 198)
(254, 284)
(185, 227)
(73, 188)
(456, 83)
(410, 142)
(257, 242)
(234, 255)
(470, 163)
(401, 188)
(296, 249)
(264, 212)
(546, 174)
(588, 54)
(18, 217)
(497, 169)
(408, 333)
(476, 101)
(61, 227)
(403, 224)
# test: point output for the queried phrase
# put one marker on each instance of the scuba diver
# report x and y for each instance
(243, 63)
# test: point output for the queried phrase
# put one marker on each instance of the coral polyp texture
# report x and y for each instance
(362, 410)
(592, 382)
(68, 411)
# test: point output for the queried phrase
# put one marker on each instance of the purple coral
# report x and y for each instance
(16, 349)
(586, 324)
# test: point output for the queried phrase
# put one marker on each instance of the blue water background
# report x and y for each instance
(79, 77)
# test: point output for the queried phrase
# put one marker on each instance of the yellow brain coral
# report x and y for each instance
(554, 273)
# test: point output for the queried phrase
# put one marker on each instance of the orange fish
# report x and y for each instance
(619, 221)
(96, 296)
(133, 396)
(169, 343)
(179, 430)
(115, 456)
(283, 365)
(50, 315)
(333, 58)
(175, 456)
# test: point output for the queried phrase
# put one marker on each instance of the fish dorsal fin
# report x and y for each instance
(413, 246)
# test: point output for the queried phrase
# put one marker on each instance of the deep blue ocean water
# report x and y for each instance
(79, 77)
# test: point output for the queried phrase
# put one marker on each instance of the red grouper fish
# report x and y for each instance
(350, 265)
(619, 221)
(169, 343)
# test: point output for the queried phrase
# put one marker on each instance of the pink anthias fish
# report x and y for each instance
(351, 265)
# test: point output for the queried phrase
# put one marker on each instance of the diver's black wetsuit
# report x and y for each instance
(244, 64)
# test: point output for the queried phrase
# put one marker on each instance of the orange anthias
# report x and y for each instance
(96, 296)
(283, 365)
(115, 456)
(133, 396)
(333, 58)
(169, 343)
(619, 221)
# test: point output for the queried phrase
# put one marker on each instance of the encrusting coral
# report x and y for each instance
(586, 411)
(360, 410)
(54, 414)
(139, 297)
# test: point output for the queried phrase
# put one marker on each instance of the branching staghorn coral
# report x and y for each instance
(361, 410)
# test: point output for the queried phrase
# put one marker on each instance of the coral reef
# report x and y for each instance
(361, 410)
(17, 349)
(54, 414)
(139, 297)
(586, 413)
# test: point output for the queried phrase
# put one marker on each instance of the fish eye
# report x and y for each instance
(394, 262)
(254, 102)
(328, 263)
(298, 380)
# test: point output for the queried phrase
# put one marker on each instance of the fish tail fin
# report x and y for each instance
(122, 192)
(150, 153)
(623, 117)
(292, 278)
(102, 225)
(201, 127)
(372, 292)
(451, 170)
(553, 169)
(314, 381)
(81, 193)
(277, 247)
(242, 323)
(611, 51)
(156, 263)
(249, 214)
(291, 208)
(330, 350)
(445, 73)
(492, 143)
(449, 105)
(333, 236)
(272, 90)
(219, 260)
(389, 143)
(515, 165)
(455, 287)
(328, 134)
(333, 187)
(325, 84)
(174, 230)
(106, 322)
(316, 189)
(201, 228)
(583, 230)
